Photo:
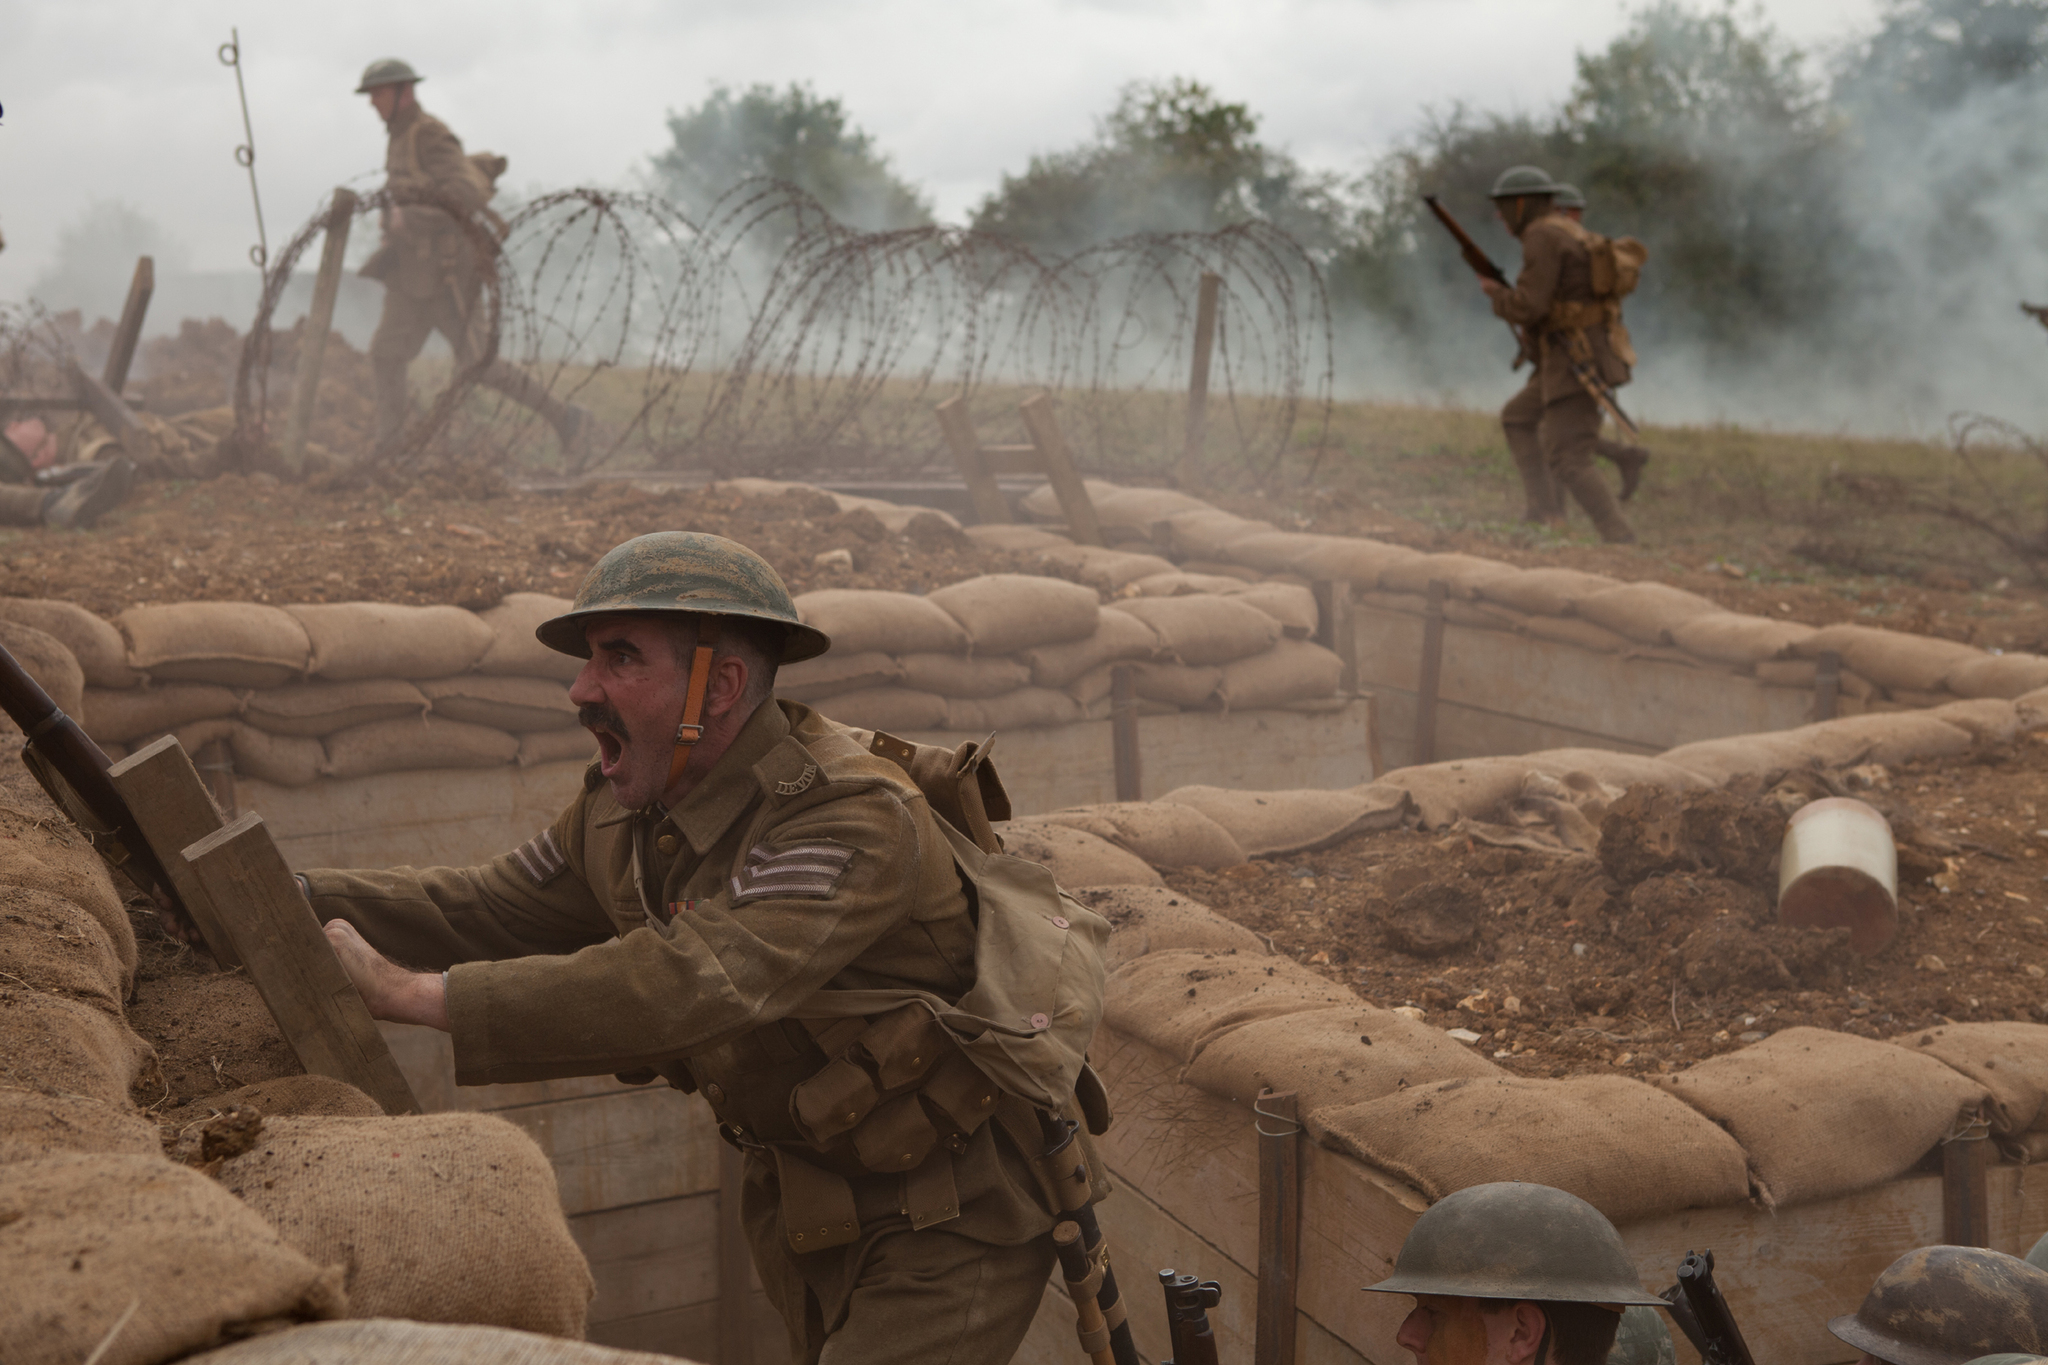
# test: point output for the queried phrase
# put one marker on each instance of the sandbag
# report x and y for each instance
(1163, 833)
(1358, 562)
(1014, 539)
(837, 671)
(951, 675)
(1645, 612)
(1027, 708)
(310, 1095)
(1803, 673)
(1543, 592)
(1481, 615)
(1824, 1113)
(557, 746)
(1720, 761)
(1294, 821)
(1292, 605)
(1992, 723)
(1731, 637)
(235, 644)
(1465, 788)
(49, 943)
(1137, 509)
(1104, 570)
(1332, 1056)
(1206, 533)
(355, 640)
(437, 1217)
(1274, 551)
(1463, 573)
(1177, 685)
(1614, 768)
(1202, 631)
(50, 1043)
(385, 1341)
(1894, 738)
(1292, 670)
(117, 717)
(85, 1236)
(514, 651)
(1614, 1142)
(1992, 675)
(895, 709)
(1076, 857)
(1118, 637)
(2008, 1060)
(1007, 612)
(1092, 690)
(890, 622)
(35, 1124)
(1157, 919)
(1890, 658)
(398, 746)
(286, 760)
(515, 704)
(1180, 583)
(1181, 1001)
(1570, 630)
(318, 709)
(53, 667)
(42, 850)
(101, 652)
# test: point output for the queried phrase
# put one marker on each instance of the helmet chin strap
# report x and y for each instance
(691, 729)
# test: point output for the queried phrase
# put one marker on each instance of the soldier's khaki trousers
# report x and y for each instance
(1565, 433)
(403, 329)
(22, 504)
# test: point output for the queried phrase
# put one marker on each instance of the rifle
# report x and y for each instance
(1703, 1314)
(1188, 1301)
(1100, 1319)
(1581, 366)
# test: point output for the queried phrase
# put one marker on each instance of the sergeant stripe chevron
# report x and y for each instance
(809, 871)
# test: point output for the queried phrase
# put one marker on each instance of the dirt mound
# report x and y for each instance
(210, 1029)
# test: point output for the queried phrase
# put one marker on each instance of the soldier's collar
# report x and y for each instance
(729, 788)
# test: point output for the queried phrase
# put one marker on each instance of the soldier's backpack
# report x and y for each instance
(1617, 264)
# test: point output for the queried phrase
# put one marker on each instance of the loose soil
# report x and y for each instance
(210, 1028)
(1664, 949)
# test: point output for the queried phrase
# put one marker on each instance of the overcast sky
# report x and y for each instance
(126, 99)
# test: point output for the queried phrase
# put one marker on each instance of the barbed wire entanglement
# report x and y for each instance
(770, 339)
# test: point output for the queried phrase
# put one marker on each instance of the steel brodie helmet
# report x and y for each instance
(1568, 196)
(1948, 1305)
(1516, 1240)
(690, 572)
(387, 71)
(1516, 181)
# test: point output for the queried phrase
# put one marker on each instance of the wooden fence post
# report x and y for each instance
(1431, 671)
(140, 287)
(313, 332)
(1123, 732)
(1336, 628)
(1198, 378)
(1058, 459)
(1965, 1202)
(1279, 1129)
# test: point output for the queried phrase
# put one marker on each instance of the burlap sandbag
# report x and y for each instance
(354, 640)
(1464, 574)
(1007, 612)
(1027, 708)
(50, 1043)
(890, 622)
(1137, 508)
(1291, 604)
(1570, 630)
(514, 651)
(895, 709)
(1614, 768)
(1891, 658)
(1332, 1056)
(307, 1096)
(557, 746)
(283, 760)
(1992, 722)
(398, 746)
(1180, 1001)
(386, 1341)
(1614, 1142)
(1482, 615)
(1164, 833)
(1292, 670)
(1274, 551)
(1180, 583)
(45, 659)
(952, 675)
(1203, 631)
(1732, 637)
(315, 710)
(1544, 592)
(1101, 569)
(516, 704)
(1992, 675)
(2009, 1060)
(1896, 737)
(86, 1236)
(1358, 562)
(98, 647)
(1178, 685)
(1823, 1113)
(1157, 919)
(837, 671)
(235, 644)
(1266, 823)
(1076, 857)
(1118, 637)
(41, 849)
(1645, 612)
(51, 943)
(36, 1124)
(122, 716)
(1720, 761)
(438, 1218)
(1206, 533)
(1015, 539)
(1465, 788)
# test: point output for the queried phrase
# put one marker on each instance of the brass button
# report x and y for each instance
(715, 1093)
(667, 843)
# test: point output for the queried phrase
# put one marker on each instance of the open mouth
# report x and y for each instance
(610, 731)
(610, 749)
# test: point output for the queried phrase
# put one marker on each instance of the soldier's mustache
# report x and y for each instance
(591, 716)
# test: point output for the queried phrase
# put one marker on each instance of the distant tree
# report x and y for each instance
(1932, 54)
(96, 257)
(792, 135)
(1170, 157)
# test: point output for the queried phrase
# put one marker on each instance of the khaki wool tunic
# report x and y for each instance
(1557, 268)
(429, 250)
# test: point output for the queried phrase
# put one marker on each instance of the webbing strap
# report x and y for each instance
(691, 730)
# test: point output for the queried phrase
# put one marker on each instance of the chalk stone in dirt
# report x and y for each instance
(514, 651)
(101, 652)
(1332, 1056)
(234, 644)
(87, 1235)
(1181, 1001)
(1156, 919)
(1076, 857)
(1824, 1113)
(316, 710)
(437, 1218)
(357, 640)
(1621, 1146)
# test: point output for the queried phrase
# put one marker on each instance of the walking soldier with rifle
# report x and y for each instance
(1565, 309)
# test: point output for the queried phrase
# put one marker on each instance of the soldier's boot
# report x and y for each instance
(1629, 460)
(575, 426)
(1541, 500)
(77, 505)
(1598, 499)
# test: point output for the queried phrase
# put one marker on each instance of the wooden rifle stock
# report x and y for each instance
(1482, 266)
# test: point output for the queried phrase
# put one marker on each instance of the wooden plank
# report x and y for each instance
(1075, 504)
(650, 1257)
(173, 809)
(1198, 378)
(1965, 1207)
(216, 764)
(1013, 460)
(1430, 672)
(1126, 758)
(735, 1265)
(634, 1147)
(693, 1332)
(116, 416)
(129, 330)
(427, 1057)
(294, 968)
(1827, 684)
(990, 506)
(1337, 628)
(1279, 1129)
(313, 332)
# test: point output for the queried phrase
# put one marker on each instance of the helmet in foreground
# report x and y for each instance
(1516, 1240)
(690, 572)
(1949, 1305)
